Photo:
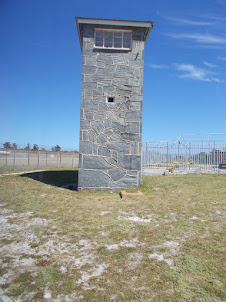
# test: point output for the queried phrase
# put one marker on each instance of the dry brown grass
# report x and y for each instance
(167, 245)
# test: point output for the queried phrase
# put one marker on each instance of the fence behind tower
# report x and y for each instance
(198, 155)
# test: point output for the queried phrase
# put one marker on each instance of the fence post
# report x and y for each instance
(57, 159)
(46, 158)
(189, 158)
(73, 159)
(167, 155)
(146, 155)
(202, 159)
(14, 159)
(60, 159)
(178, 154)
(214, 160)
(38, 159)
(6, 158)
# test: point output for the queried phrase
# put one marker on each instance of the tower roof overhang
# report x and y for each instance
(146, 25)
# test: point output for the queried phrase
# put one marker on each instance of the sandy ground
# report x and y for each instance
(148, 171)
(23, 246)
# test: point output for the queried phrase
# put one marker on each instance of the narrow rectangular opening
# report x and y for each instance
(110, 100)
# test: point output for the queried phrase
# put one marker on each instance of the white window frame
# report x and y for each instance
(113, 30)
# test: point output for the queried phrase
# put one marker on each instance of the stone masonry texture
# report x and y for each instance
(110, 132)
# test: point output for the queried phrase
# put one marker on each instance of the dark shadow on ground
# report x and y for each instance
(65, 178)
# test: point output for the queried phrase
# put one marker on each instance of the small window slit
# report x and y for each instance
(110, 100)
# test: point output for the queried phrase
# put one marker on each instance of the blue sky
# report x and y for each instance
(40, 67)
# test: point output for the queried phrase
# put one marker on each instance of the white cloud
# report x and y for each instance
(196, 73)
(192, 72)
(157, 66)
(181, 21)
(200, 38)
(222, 59)
(209, 64)
(216, 18)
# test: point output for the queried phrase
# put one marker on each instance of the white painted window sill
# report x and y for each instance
(112, 48)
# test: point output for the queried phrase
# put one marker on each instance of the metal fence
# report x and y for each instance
(192, 155)
(26, 159)
(205, 155)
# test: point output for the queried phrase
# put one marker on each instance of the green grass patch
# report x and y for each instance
(167, 245)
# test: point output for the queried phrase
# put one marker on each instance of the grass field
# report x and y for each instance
(63, 245)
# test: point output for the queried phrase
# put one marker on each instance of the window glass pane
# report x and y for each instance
(127, 36)
(99, 33)
(117, 35)
(99, 41)
(117, 40)
(108, 39)
(126, 40)
(113, 39)
(126, 45)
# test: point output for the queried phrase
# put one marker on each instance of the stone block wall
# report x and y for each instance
(110, 132)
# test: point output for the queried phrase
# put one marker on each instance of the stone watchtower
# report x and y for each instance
(111, 102)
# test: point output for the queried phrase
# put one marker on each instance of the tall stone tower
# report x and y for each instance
(111, 102)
